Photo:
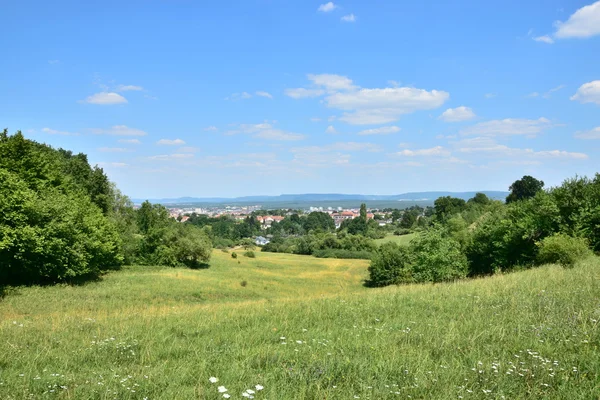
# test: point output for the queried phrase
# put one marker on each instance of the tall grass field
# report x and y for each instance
(283, 326)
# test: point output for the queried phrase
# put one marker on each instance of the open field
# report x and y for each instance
(303, 328)
(402, 240)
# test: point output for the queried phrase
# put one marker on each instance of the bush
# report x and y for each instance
(562, 249)
(48, 235)
(234, 255)
(249, 254)
(343, 254)
(437, 257)
(391, 265)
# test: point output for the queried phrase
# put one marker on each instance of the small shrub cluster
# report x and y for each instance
(324, 245)
(249, 254)
(562, 249)
(431, 257)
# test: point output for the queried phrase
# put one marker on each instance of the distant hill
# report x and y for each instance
(320, 197)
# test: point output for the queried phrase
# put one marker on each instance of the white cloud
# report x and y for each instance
(278, 134)
(119, 130)
(127, 88)
(349, 18)
(489, 146)
(331, 130)
(211, 128)
(300, 93)
(544, 39)
(591, 134)
(266, 130)
(384, 130)
(509, 126)
(490, 95)
(332, 82)
(169, 142)
(264, 94)
(105, 98)
(327, 7)
(458, 114)
(584, 23)
(112, 150)
(434, 151)
(130, 141)
(548, 94)
(239, 96)
(532, 95)
(380, 106)
(315, 119)
(56, 132)
(588, 93)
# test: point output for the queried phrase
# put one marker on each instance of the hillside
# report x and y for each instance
(302, 328)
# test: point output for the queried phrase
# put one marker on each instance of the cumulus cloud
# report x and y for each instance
(349, 18)
(170, 142)
(331, 82)
(211, 128)
(239, 96)
(489, 146)
(591, 134)
(57, 132)
(119, 130)
(509, 126)
(127, 88)
(267, 131)
(331, 130)
(380, 106)
(384, 130)
(264, 94)
(300, 93)
(544, 39)
(588, 93)
(434, 151)
(327, 7)
(584, 23)
(457, 114)
(105, 98)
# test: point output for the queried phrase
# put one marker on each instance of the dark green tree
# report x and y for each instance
(524, 188)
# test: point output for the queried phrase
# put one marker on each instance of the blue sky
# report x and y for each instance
(186, 98)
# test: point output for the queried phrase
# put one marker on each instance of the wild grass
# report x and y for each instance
(303, 328)
(402, 240)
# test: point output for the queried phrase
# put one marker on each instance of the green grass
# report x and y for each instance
(402, 240)
(162, 333)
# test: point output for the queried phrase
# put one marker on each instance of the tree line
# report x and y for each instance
(480, 237)
(62, 220)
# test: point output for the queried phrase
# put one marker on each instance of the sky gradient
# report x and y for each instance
(184, 98)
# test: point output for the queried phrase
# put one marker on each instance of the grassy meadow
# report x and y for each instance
(303, 328)
(402, 240)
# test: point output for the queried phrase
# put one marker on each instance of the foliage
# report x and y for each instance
(437, 257)
(53, 207)
(234, 255)
(391, 265)
(562, 249)
(249, 254)
(524, 188)
(445, 207)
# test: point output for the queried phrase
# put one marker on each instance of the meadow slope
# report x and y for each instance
(303, 328)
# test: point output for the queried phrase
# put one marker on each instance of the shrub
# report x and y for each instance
(249, 254)
(391, 265)
(437, 257)
(402, 231)
(562, 249)
(234, 255)
(243, 283)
